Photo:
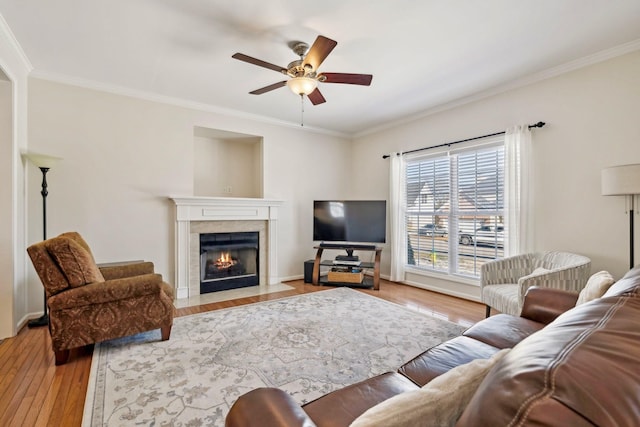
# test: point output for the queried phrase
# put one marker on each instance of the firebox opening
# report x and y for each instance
(228, 261)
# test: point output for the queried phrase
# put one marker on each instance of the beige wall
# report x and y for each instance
(592, 123)
(123, 157)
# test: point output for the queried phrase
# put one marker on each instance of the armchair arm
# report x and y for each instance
(543, 305)
(267, 407)
(109, 291)
(506, 270)
(119, 270)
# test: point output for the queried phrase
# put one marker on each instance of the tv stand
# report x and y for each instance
(316, 278)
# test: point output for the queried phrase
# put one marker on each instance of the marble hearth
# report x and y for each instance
(196, 215)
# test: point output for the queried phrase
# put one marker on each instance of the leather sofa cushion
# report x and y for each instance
(76, 263)
(341, 407)
(439, 403)
(443, 357)
(503, 330)
(582, 369)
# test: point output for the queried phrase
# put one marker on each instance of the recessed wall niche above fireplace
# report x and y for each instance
(228, 261)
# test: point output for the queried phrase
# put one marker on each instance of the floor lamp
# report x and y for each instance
(44, 163)
(623, 181)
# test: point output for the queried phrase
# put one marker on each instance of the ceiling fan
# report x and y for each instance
(304, 71)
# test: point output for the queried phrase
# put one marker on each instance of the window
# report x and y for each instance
(455, 209)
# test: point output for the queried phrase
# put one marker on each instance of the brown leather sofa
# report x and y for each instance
(569, 366)
(88, 304)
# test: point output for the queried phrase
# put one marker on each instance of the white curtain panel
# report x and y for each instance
(517, 192)
(397, 223)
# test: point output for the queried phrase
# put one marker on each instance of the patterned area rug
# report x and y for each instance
(307, 345)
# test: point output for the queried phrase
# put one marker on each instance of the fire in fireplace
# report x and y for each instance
(228, 261)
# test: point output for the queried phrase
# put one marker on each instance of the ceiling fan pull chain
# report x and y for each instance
(301, 110)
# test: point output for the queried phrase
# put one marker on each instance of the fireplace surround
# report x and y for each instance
(199, 215)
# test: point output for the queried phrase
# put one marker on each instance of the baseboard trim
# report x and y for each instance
(441, 290)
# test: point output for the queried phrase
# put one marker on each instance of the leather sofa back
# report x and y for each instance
(581, 370)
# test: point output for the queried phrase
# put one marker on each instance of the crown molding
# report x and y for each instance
(14, 45)
(177, 102)
(567, 67)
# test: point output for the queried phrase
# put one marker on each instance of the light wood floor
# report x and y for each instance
(35, 392)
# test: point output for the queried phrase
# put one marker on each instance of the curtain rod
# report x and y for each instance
(537, 125)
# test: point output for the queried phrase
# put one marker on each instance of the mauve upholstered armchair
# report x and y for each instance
(88, 304)
(504, 282)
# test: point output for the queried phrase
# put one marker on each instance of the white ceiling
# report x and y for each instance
(422, 54)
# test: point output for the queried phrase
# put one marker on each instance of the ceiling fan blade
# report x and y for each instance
(268, 88)
(319, 51)
(316, 97)
(259, 62)
(352, 79)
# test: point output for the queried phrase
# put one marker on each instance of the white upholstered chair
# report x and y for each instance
(504, 282)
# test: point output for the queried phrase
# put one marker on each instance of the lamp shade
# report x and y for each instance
(41, 160)
(621, 180)
(302, 85)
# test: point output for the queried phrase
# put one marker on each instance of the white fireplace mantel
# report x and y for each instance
(192, 209)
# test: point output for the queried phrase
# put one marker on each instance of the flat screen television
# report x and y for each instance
(351, 221)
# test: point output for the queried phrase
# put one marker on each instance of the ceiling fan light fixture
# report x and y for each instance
(302, 85)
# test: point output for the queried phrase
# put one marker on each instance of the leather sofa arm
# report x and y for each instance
(109, 291)
(120, 270)
(543, 305)
(267, 407)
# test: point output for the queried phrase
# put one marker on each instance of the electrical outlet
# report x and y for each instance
(228, 189)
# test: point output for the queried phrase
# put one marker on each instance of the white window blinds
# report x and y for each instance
(455, 210)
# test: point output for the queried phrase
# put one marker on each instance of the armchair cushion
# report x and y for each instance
(503, 297)
(76, 262)
(76, 237)
(110, 291)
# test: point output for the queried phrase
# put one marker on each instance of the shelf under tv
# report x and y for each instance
(368, 281)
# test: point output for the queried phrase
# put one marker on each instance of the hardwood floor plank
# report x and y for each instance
(35, 392)
(31, 383)
(51, 399)
(56, 417)
(74, 406)
(49, 371)
(20, 376)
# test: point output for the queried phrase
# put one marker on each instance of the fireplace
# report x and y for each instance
(202, 215)
(228, 261)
